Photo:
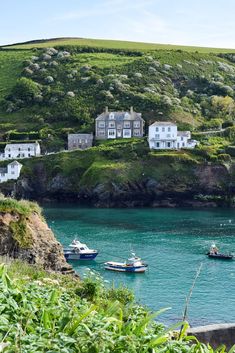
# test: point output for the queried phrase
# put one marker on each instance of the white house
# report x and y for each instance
(11, 171)
(165, 135)
(20, 150)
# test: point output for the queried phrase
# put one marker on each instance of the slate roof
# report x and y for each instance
(163, 123)
(86, 136)
(183, 133)
(120, 116)
(15, 163)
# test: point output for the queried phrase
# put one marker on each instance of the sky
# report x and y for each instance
(187, 22)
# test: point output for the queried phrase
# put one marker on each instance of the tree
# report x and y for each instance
(26, 90)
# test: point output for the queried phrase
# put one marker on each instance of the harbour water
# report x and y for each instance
(173, 242)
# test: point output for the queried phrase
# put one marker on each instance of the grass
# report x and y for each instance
(11, 65)
(116, 44)
(22, 207)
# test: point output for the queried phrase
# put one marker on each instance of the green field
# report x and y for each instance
(116, 44)
(11, 65)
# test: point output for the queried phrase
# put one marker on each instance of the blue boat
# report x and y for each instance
(132, 265)
(79, 251)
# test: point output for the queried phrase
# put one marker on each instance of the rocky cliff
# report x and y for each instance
(126, 176)
(25, 235)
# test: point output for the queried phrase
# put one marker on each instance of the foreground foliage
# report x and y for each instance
(50, 313)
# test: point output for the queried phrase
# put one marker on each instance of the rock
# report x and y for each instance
(28, 237)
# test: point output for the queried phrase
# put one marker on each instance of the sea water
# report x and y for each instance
(173, 242)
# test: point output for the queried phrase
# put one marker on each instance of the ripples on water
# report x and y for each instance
(173, 242)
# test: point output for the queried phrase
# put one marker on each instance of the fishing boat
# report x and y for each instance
(79, 251)
(133, 264)
(214, 254)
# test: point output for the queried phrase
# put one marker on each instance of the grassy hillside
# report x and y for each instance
(49, 92)
(114, 44)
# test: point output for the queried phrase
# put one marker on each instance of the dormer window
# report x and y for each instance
(127, 115)
(111, 115)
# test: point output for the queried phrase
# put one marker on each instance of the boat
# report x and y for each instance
(133, 265)
(220, 256)
(214, 254)
(79, 251)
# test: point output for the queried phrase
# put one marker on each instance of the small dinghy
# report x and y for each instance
(133, 264)
(220, 256)
(214, 254)
(79, 251)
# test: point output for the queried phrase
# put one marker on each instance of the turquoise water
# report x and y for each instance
(173, 242)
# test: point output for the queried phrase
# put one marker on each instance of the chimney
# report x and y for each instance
(131, 110)
(106, 109)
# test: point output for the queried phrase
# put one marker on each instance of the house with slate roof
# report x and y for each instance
(20, 150)
(79, 141)
(120, 124)
(11, 171)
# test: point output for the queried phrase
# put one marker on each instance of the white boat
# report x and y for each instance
(79, 251)
(133, 264)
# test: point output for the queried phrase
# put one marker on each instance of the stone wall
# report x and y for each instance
(215, 335)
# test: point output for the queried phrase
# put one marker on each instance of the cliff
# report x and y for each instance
(127, 176)
(25, 235)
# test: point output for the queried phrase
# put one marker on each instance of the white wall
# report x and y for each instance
(13, 172)
(165, 135)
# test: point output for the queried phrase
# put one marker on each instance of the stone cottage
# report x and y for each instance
(120, 124)
(81, 141)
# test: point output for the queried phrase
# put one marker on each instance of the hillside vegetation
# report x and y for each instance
(49, 92)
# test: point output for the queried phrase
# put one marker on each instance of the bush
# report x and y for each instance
(26, 89)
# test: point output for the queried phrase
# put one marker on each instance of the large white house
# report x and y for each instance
(20, 150)
(165, 135)
(11, 171)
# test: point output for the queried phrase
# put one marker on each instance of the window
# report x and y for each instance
(112, 124)
(126, 133)
(127, 124)
(168, 144)
(101, 124)
(163, 129)
(12, 172)
(157, 144)
(182, 139)
(12, 166)
(101, 132)
(29, 149)
(136, 124)
(136, 132)
(169, 129)
(19, 149)
(157, 129)
(2, 174)
(119, 126)
(111, 116)
(9, 156)
(168, 135)
(29, 155)
(112, 132)
(183, 144)
(157, 136)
